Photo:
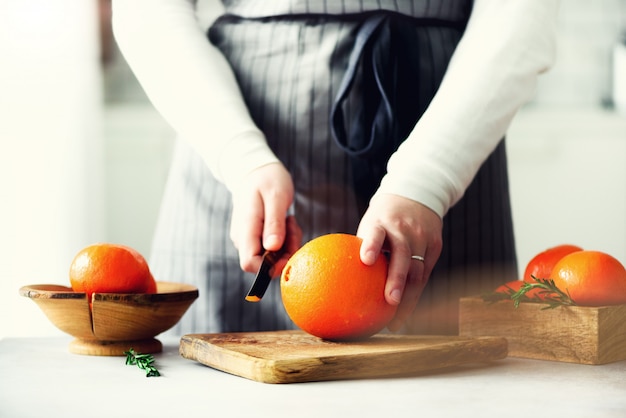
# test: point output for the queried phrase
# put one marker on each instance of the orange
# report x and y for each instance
(328, 292)
(592, 278)
(507, 287)
(110, 268)
(541, 265)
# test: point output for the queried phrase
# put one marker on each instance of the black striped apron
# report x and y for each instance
(290, 58)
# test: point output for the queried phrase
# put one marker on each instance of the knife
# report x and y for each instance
(264, 275)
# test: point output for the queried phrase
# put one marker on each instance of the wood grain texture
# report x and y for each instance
(66, 309)
(90, 347)
(113, 320)
(294, 356)
(574, 334)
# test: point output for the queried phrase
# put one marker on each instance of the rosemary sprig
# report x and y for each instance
(143, 361)
(549, 293)
(508, 294)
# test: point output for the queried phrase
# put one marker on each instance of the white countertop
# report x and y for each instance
(40, 377)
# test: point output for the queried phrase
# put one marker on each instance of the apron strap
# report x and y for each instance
(384, 61)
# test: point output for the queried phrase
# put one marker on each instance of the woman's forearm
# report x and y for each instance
(190, 83)
(493, 72)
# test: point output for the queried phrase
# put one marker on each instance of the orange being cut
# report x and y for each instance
(591, 278)
(328, 292)
(110, 268)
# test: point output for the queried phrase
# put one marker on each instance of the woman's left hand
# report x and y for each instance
(405, 228)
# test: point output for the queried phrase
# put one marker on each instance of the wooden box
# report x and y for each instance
(574, 334)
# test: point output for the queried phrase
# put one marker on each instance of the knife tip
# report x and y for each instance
(252, 298)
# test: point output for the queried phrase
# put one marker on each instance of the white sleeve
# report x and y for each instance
(493, 72)
(191, 84)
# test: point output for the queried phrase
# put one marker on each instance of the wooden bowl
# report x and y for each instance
(115, 322)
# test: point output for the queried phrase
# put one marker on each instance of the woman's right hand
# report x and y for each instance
(405, 228)
(259, 220)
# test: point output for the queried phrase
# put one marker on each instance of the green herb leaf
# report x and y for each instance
(549, 293)
(143, 361)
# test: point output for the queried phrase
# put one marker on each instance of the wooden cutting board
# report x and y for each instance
(294, 356)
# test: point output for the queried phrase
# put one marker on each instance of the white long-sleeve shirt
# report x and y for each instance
(493, 72)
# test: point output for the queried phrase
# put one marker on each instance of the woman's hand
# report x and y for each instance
(405, 228)
(259, 220)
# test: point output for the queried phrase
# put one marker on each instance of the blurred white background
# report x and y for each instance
(84, 156)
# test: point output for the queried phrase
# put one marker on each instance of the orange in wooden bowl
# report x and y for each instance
(110, 268)
(116, 321)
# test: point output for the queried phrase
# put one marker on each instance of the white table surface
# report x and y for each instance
(39, 377)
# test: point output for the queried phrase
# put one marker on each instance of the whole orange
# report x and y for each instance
(592, 278)
(541, 265)
(110, 268)
(328, 292)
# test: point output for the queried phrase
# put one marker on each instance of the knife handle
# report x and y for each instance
(263, 277)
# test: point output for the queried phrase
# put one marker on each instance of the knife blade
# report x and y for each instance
(264, 276)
